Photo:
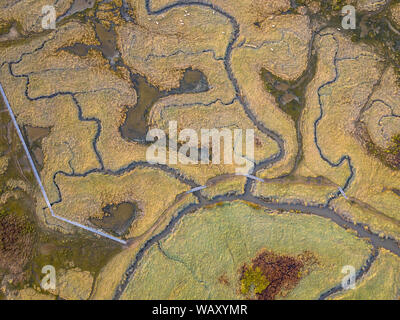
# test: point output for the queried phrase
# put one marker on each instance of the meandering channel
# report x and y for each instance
(322, 211)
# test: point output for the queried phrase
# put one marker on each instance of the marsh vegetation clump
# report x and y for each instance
(253, 280)
(271, 275)
(393, 151)
(17, 236)
(390, 155)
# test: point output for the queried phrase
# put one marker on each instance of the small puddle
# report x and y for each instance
(289, 95)
(135, 126)
(36, 134)
(108, 42)
(193, 81)
(118, 218)
(78, 6)
(79, 49)
(34, 137)
(10, 35)
(108, 45)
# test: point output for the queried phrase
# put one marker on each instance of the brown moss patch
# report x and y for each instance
(271, 275)
(393, 152)
(389, 156)
(16, 243)
(223, 279)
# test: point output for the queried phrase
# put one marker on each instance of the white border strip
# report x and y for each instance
(36, 174)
